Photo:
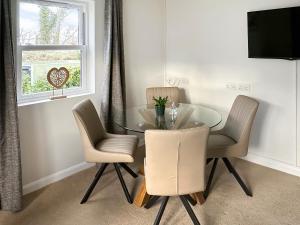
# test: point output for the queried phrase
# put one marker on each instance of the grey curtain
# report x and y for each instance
(113, 97)
(10, 163)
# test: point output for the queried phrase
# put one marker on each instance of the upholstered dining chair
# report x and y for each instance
(175, 165)
(173, 94)
(102, 147)
(233, 139)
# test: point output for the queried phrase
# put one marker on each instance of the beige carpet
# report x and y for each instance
(276, 201)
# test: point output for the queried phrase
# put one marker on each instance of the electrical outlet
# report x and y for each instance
(169, 81)
(244, 87)
(184, 81)
(173, 81)
(231, 86)
(177, 81)
(240, 87)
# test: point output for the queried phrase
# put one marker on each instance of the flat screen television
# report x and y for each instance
(274, 33)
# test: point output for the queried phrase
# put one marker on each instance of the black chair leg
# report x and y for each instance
(151, 201)
(192, 201)
(237, 177)
(209, 160)
(123, 183)
(133, 174)
(161, 210)
(211, 175)
(189, 210)
(93, 184)
(229, 168)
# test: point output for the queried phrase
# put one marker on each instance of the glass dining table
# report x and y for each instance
(141, 118)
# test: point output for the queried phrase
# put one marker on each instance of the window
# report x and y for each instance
(53, 34)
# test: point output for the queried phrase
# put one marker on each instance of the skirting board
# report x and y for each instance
(274, 164)
(38, 184)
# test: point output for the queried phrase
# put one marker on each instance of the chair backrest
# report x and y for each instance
(172, 93)
(175, 161)
(89, 123)
(240, 119)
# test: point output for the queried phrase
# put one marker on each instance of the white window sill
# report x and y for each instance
(54, 100)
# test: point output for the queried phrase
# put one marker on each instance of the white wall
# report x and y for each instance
(207, 46)
(144, 47)
(49, 137)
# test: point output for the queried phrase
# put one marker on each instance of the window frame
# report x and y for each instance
(86, 46)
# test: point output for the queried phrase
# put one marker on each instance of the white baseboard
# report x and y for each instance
(274, 164)
(38, 184)
(263, 161)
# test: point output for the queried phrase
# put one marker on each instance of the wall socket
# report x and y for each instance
(241, 87)
(231, 86)
(177, 81)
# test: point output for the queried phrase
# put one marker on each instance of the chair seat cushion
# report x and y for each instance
(219, 141)
(217, 145)
(121, 149)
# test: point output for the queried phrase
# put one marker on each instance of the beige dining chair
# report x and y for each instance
(233, 139)
(102, 147)
(175, 166)
(173, 94)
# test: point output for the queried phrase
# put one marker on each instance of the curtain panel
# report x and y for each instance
(10, 159)
(113, 97)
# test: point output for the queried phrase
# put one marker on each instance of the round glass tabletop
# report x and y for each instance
(141, 118)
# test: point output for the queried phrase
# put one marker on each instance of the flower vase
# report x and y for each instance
(160, 117)
(160, 110)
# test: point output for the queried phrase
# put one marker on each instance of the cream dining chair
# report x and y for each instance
(233, 139)
(175, 165)
(173, 94)
(102, 147)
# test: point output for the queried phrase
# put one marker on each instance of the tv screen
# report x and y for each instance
(274, 33)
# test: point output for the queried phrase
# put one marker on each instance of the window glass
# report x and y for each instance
(48, 24)
(36, 64)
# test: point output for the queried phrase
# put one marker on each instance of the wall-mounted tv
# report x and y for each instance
(274, 33)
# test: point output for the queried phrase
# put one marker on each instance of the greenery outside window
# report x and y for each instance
(51, 34)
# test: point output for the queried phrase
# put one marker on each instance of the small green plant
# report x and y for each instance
(160, 102)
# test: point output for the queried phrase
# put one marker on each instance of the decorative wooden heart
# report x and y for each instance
(58, 77)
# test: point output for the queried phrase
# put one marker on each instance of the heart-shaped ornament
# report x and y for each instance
(58, 77)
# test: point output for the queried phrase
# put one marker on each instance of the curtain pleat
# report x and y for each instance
(113, 97)
(10, 159)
